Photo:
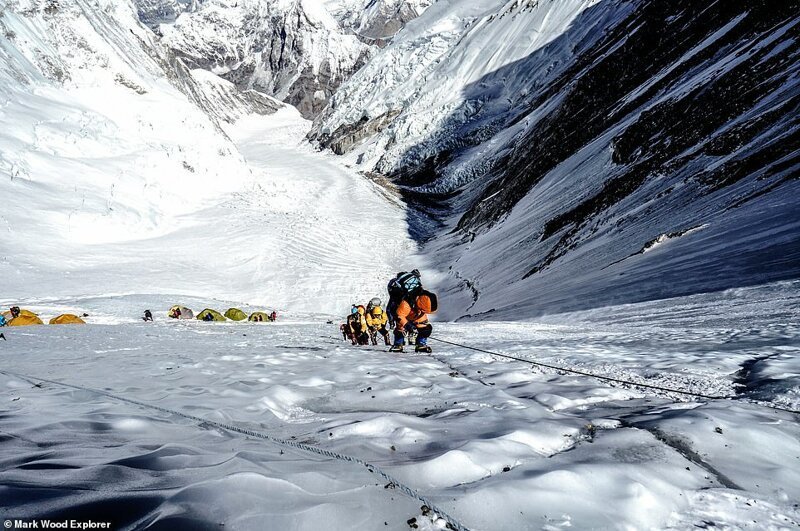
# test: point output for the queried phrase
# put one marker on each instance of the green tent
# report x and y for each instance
(235, 314)
(259, 317)
(214, 315)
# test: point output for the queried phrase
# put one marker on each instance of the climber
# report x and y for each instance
(411, 305)
(357, 326)
(376, 322)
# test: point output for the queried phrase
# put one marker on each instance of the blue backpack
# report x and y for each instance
(405, 285)
(2, 320)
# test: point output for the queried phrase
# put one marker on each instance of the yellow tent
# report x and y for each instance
(180, 312)
(25, 320)
(27, 313)
(259, 317)
(210, 315)
(67, 318)
(235, 314)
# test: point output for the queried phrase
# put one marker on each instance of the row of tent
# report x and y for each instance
(234, 314)
(28, 318)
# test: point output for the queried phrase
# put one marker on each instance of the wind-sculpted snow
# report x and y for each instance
(496, 443)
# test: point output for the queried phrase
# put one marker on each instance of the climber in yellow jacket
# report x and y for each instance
(376, 322)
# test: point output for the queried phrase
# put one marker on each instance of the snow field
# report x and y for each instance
(495, 443)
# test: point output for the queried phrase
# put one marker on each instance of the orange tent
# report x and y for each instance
(25, 320)
(67, 318)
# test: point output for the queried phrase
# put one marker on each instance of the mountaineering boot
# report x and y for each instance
(422, 345)
(396, 348)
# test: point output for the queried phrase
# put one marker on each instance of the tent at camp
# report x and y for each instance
(67, 318)
(25, 319)
(214, 315)
(8, 316)
(180, 312)
(235, 314)
(259, 317)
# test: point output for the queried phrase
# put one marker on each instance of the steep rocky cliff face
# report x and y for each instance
(376, 21)
(294, 51)
(298, 51)
(156, 12)
(602, 152)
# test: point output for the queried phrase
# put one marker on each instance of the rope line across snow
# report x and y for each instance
(620, 380)
(405, 489)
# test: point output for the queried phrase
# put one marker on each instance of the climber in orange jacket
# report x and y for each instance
(414, 315)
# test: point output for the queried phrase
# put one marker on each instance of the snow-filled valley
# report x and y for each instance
(150, 156)
(128, 177)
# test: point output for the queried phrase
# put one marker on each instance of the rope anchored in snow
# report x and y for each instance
(619, 380)
(396, 484)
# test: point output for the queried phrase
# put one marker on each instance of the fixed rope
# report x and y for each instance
(396, 484)
(618, 380)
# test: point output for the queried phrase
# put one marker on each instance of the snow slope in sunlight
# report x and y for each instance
(118, 175)
(495, 443)
(282, 237)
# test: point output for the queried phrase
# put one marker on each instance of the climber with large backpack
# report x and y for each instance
(402, 285)
(411, 305)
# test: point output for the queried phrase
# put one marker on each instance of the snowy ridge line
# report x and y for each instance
(452, 523)
(621, 381)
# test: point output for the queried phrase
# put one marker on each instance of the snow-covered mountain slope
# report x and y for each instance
(586, 153)
(94, 133)
(293, 50)
(118, 175)
(414, 85)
